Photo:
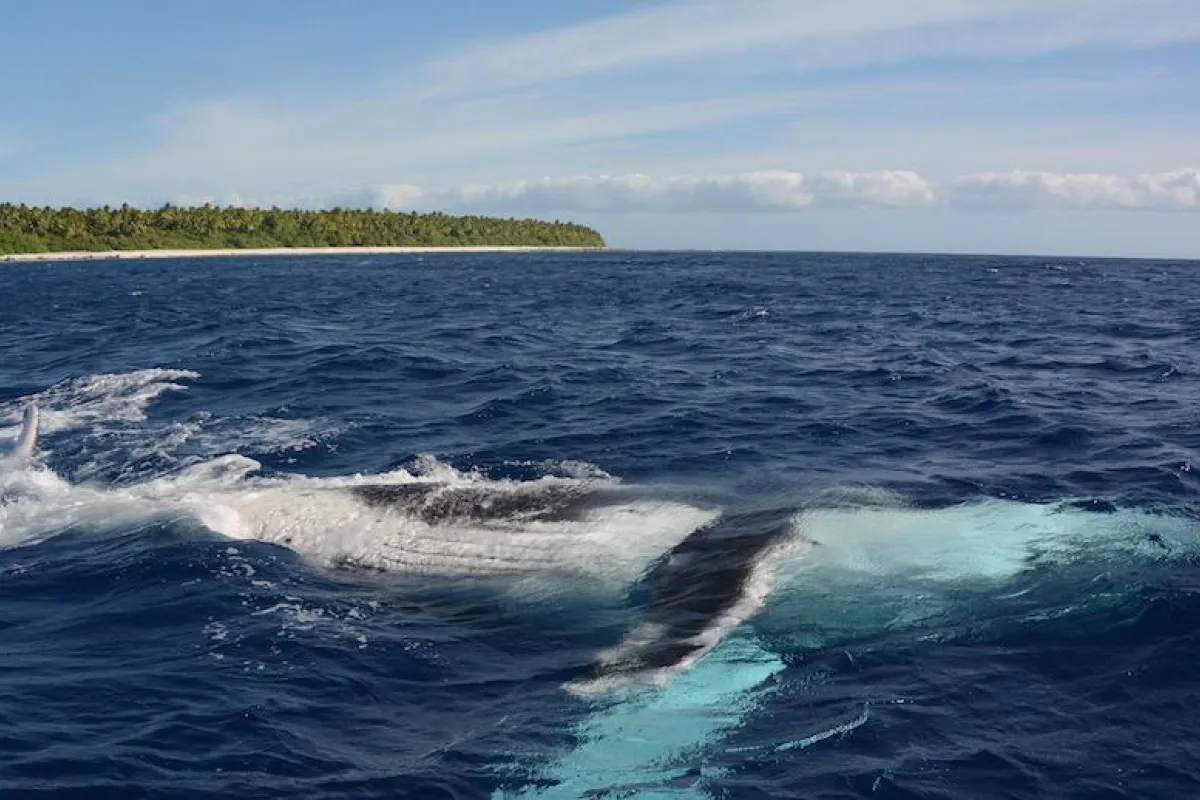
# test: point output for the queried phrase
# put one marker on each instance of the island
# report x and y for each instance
(195, 230)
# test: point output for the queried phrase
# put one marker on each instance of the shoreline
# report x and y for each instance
(124, 255)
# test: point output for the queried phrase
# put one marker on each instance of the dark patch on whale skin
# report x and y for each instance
(700, 579)
(437, 503)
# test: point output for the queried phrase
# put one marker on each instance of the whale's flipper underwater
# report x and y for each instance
(644, 744)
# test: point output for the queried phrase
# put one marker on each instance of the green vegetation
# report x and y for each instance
(35, 229)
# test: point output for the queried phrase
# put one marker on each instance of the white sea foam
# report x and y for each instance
(99, 400)
(260, 433)
(36, 504)
(110, 411)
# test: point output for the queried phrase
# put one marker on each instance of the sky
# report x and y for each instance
(986, 126)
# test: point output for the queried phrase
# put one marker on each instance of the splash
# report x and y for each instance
(98, 401)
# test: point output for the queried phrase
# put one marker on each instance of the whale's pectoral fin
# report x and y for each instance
(664, 741)
(27, 441)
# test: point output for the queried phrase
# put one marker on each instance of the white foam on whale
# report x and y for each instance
(608, 546)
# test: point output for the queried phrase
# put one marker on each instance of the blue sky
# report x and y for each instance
(932, 125)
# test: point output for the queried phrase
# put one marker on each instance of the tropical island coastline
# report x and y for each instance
(268, 252)
(38, 233)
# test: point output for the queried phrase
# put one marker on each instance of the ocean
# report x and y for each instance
(600, 525)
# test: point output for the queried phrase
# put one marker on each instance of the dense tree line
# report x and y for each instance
(39, 229)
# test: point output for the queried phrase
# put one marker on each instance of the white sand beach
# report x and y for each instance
(106, 255)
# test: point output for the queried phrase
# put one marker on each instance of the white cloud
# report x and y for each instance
(390, 196)
(747, 192)
(817, 33)
(1027, 191)
(770, 190)
(781, 191)
(773, 190)
(900, 188)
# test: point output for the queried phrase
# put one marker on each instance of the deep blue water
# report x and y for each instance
(988, 585)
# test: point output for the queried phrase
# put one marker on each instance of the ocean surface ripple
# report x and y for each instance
(601, 525)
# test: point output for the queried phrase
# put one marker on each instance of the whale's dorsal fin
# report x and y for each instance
(27, 441)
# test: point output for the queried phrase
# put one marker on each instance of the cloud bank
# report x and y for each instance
(1027, 191)
(775, 190)
(783, 191)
